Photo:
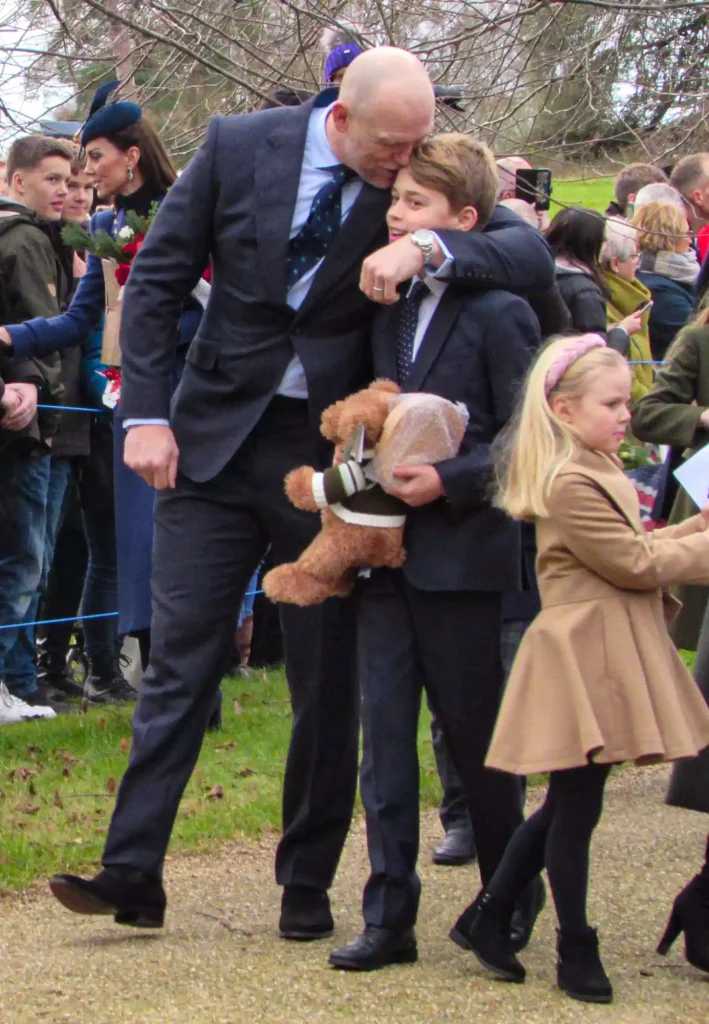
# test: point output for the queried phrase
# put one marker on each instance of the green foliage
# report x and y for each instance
(633, 456)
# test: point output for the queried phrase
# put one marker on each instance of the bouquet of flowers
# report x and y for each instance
(116, 254)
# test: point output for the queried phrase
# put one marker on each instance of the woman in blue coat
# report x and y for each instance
(130, 164)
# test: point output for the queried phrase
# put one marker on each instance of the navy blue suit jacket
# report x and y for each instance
(476, 350)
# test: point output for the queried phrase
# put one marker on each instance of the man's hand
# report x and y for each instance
(20, 400)
(5, 338)
(419, 485)
(704, 419)
(151, 451)
(388, 267)
(705, 517)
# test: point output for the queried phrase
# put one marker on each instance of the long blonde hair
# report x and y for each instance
(536, 445)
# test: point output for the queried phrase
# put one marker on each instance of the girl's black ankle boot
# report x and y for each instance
(580, 972)
(484, 929)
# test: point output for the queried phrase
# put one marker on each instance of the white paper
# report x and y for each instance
(693, 475)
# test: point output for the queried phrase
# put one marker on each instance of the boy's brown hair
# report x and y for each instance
(78, 158)
(459, 167)
(26, 153)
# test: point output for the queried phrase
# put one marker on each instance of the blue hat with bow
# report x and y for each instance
(105, 119)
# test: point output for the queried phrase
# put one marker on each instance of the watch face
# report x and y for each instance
(423, 235)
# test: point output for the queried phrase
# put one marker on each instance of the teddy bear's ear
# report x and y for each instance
(388, 386)
(330, 421)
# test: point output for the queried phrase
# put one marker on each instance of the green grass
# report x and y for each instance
(58, 779)
(594, 193)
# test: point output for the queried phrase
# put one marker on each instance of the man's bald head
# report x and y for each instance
(385, 108)
(507, 168)
(385, 70)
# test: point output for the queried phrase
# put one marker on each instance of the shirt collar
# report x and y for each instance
(318, 151)
(435, 286)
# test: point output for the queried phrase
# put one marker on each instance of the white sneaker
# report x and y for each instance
(12, 709)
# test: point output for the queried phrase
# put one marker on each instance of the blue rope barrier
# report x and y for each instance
(83, 618)
(72, 408)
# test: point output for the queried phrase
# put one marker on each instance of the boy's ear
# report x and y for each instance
(467, 218)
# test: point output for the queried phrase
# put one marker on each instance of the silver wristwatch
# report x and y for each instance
(425, 240)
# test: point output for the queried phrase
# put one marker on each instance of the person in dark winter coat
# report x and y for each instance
(32, 282)
(576, 237)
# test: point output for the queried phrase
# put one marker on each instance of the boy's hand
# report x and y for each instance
(419, 485)
(21, 405)
(386, 268)
(5, 338)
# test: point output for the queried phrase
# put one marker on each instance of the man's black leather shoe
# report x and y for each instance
(527, 909)
(305, 914)
(130, 896)
(375, 948)
(456, 848)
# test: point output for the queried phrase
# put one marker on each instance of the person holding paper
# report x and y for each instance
(676, 412)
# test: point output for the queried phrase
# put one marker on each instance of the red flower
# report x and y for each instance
(122, 272)
(113, 373)
(207, 274)
(133, 248)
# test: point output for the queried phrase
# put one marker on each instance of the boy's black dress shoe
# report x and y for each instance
(375, 948)
(305, 914)
(132, 897)
(456, 848)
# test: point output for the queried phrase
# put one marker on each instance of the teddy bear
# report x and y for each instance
(362, 525)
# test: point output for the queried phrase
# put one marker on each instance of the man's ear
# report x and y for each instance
(339, 116)
(467, 218)
(18, 183)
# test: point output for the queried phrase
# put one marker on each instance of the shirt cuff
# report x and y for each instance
(446, 267)
(145, 423)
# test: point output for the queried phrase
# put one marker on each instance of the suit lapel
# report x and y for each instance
(278, 162)
(355, 237)
(434, 339)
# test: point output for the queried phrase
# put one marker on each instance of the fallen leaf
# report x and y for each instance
(31, 788)
(225, 746)
(102, 721)
(124, 744)
(21, 773)
(30, 750)
(237, 708)
(216, 793)
(78, 842)
(58, 802)
(2, 795)
(246, 772)
(111, 785)
(66, 771)
(29, 809)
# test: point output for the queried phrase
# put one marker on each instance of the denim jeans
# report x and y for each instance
(21, 659)
(24, 487)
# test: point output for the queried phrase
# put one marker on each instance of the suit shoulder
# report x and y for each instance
(493, 303)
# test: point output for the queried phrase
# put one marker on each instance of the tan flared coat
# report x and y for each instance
(597, 676)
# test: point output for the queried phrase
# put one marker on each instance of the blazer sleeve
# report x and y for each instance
(667, 415)
(511, 338)
(603, 540)
(46, 333)
(669, 313)
(588, 314)
(167, 268)
(508, 254)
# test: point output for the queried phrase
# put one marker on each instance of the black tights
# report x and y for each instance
(557, 837)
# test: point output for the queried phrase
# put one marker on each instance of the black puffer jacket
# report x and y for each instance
(586, 304)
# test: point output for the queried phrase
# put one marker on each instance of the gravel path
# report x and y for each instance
(219, 961)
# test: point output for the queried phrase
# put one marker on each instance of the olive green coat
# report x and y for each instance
(669, 414)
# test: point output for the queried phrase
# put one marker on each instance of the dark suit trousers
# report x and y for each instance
(449, 644)
(209, 539)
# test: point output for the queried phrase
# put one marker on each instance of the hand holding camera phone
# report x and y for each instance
(533, 185)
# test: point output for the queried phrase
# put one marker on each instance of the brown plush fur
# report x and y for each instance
(328, 567)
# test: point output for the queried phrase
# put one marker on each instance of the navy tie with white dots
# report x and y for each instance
(310, 245)
(408, 322)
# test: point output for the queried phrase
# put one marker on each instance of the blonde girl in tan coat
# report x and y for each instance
(597, 679)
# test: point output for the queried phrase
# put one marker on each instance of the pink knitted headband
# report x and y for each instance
(576, 348)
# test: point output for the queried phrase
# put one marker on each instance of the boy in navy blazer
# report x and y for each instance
(435, 624)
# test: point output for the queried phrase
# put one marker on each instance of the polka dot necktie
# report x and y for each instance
(310, 245)
(408, 322)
